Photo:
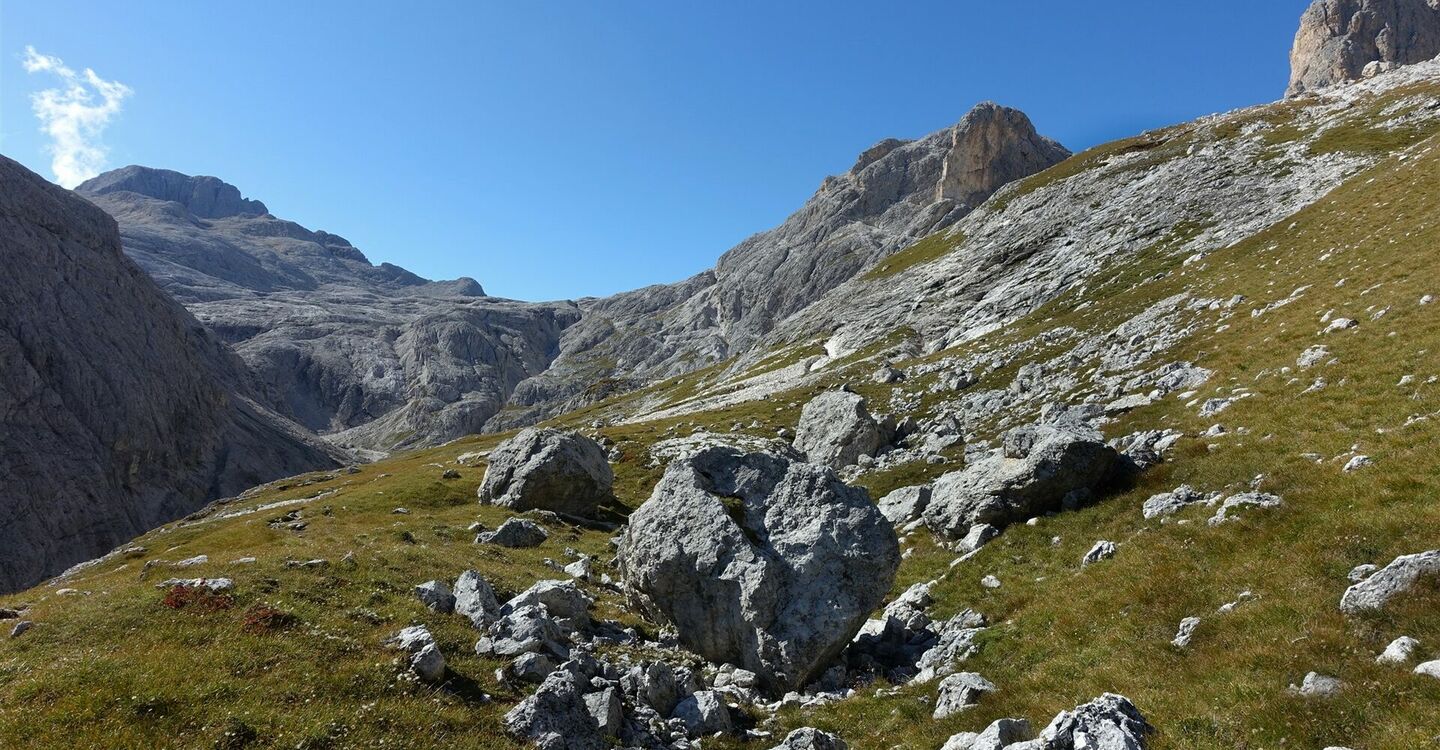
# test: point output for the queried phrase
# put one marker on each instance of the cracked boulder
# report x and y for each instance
(758, 561)
(545, 469)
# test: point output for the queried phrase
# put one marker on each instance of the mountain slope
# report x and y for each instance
(896, 193)
(1238, 315)
(120, 411)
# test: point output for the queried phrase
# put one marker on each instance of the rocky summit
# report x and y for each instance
(1344, 40)
(987, 447)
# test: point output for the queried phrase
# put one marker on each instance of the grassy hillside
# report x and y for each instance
(294, 658)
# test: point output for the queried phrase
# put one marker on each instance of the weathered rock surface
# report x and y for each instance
(1110, 722)
(515, 532)
(475, 598)
(1388, 582)
(991, 147)
(836, 429)
(546, 469)
(1040, 467)
(118, 410)
(809, 738)
(960, 691)
(557, 716)
(740, 552)
(1342, 40)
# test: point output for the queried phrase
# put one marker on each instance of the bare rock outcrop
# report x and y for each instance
(990, 148)
(1339, 39)
(742, 553)
(118, 410)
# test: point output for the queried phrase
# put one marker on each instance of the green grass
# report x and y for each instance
(931, 248)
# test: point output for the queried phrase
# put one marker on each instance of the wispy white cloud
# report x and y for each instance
(74, 115)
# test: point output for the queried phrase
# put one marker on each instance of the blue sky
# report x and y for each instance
(561, 149)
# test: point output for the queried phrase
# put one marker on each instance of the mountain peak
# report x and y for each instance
(991, 146)
(205, 197)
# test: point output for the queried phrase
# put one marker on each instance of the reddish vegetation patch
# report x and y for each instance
(197, 599)
(263, 618)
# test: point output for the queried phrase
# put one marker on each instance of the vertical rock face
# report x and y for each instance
(118, 410)
(1338, 39)
(992, 147)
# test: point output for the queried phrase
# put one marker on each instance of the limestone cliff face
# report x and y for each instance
(992, 147)
(119, 411)
(1344, 40)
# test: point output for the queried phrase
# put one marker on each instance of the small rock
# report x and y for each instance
(808, 738)
(532, 667)
(1186, 632)
(1341, 324)
(1169, 503)
(1429, 669)
(1108, 722)
(215, 585)
(437, 596)
(978, 536)
(1357, 463)
(1361, 572)
(1400, 651)
(1395, 578)
(308, 564)
(1000, 734)
(960, 691)
(836, 429)
(515, 533)
(1313, 356)
(605, 708)
(450, 474)
(1102, 550)
(400, 512)
(20, 628)
(1214, 406)
(425, 657)
(546, 469)
(905, 504)
(703, 713)
(1242, 500)
(990, 582)
(1317, 685)
(475, 599)
(580, 569)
